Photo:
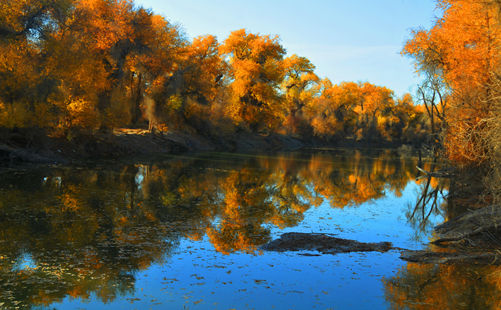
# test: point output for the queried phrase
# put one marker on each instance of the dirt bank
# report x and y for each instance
(135, 142)
(474, 237)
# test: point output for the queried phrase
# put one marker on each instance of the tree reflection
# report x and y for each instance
(418, 286)
(431, 200)
(445, 286)
(88, 231)
(356, 179)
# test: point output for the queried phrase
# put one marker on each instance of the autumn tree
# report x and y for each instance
(26, 87)
(461, 52)
(410, 122)
(299, 88)
(364, 112)
(331, 113)
(125, 39)
(256, 71)
(185, 97)
(374, 110)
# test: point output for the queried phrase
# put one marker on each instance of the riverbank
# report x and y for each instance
(123, 143)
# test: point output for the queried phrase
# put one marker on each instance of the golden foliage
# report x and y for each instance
(256, 70)
(76, 66)
(463, 49)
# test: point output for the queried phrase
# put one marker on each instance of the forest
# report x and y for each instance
(72, 68)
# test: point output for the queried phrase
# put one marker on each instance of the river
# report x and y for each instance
(184, 232)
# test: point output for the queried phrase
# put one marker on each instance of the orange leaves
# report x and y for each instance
(462, 50)
(206, 68)
(464, 43)
(204, 46)
(107, 21)
(256, 71)
(359, 111)
(106, 63)
(299, 86)
(81, 113)
(296, 66)
(26, 19)
(242, 45)
(376, 98)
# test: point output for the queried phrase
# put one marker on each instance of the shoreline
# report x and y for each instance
(129, 143)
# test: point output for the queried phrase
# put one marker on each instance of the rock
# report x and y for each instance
(429, 257)
(322, 243)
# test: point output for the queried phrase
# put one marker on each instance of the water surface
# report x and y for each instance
(184, 232)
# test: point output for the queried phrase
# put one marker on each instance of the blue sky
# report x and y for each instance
(347, 40)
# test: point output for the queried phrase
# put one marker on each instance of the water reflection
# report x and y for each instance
(445, 286)
(82, 232)
(418, 286)
(432, 200)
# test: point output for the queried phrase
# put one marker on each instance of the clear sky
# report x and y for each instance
(347, 40)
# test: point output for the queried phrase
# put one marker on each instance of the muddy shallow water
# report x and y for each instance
(185, 232)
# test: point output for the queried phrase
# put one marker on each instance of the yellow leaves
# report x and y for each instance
(109, 63)
(244, 72)
(376, 98)
(299, 88)
(296, 66)
(158, 22)
(107, 21)
(462, 50)
(352, 109)
(406, 100)
(77, 106)
(204, 46)
(81, 113)
(256, 71)
(175, 102)
(443, 287)
(15, 13)
(243, 45)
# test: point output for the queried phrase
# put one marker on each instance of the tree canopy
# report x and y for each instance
(70, 67)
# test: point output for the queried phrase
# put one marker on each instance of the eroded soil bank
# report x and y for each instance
(29, 146)
(474, 237)
(126, 143)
